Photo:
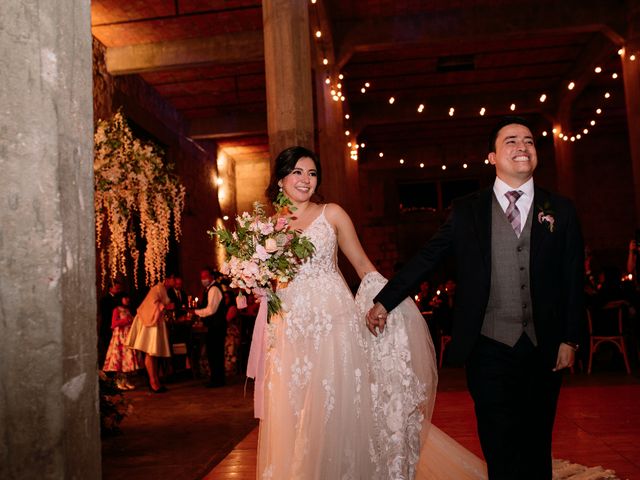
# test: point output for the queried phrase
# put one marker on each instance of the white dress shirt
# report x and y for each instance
(523, 203)
(214, 297)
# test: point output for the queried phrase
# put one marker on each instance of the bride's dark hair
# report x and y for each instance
(285, 163)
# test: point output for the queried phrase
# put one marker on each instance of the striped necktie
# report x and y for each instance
(512, 212)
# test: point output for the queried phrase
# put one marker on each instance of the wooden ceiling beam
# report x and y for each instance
(152, 57)
(473, 24)
(234, 124)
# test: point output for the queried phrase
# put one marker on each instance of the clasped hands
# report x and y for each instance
(376, 318)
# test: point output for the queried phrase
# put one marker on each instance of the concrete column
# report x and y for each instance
(332, 145)
(631, 77)
(287, 59)
(49, 422)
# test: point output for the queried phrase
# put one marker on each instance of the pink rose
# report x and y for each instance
(281, 224)
(265, 228)
(271, 245)
(261, 253)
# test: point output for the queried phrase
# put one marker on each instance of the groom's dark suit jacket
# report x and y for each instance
(556, 271)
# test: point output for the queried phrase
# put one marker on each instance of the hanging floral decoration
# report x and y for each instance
(136, 194)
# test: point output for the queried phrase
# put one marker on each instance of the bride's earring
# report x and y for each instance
(280, 189)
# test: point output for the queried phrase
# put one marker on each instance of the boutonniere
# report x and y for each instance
(546, 216)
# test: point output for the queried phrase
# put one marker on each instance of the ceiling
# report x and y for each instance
(461, 54)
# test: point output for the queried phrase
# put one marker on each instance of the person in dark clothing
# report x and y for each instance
(213, 312)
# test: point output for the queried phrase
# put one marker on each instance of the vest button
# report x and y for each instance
(524, 305)
(521, 268)
(524, 324)
(519, 249)
(522, 287)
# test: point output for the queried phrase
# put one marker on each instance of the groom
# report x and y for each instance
(519, 308)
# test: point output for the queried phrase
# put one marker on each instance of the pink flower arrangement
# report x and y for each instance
(261, 253)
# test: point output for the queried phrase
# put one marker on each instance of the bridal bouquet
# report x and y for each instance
(263, 252)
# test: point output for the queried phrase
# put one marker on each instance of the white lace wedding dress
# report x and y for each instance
(339, 403)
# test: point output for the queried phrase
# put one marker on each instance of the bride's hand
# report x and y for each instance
(376, 317)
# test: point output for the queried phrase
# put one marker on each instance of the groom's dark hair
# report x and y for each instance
(285, 163)
(503, 122)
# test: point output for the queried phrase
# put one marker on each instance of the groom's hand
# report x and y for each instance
(376, 317)
(566, 357)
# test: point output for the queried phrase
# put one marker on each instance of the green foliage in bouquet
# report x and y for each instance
(264, 252)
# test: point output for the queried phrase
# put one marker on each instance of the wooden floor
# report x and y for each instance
(598, 423)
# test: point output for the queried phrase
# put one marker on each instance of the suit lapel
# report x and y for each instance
(482, 218)
(539, 231)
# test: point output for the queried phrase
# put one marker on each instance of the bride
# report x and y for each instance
(340, 403)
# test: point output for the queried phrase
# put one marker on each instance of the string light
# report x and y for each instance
(513, 107)
(347, 133)
(402, 161)
(585, 131)
(362, 145)
(565, 138)
(444, 167)
(391, 100)
(420, 108)
(599, 111)
(225, 218)
(486, 161)
(349, 144)
(607, 95)
(573, 139)
(464, 165)
(363, 90)
(598, 69)
(341, 76)
(621, 52)
(318, 34)
(632, 58)
(347, 116)
(325, 61)
(482, 111)
(544, 134)
(367, 84)
(422, 165)
(543, 97)
(592, 122)
(381, 154)
(614, 75)
(555, 130)
(578, 136)
(327, 81)
(451, 111)
(571, 85)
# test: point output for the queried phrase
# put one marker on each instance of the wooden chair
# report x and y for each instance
(614, 311)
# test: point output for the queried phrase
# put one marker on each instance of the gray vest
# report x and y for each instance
(508, 312)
